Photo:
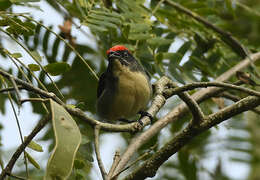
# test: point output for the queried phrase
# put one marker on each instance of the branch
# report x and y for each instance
(187, 87)
(158, 100)
(99, 160)
(22, 147)
(114, 165)
(16, 90)
(178, 112)
(143, 156)
(30, 87)
(225, 36)
(10, 89)
(196, 112)
(235, 99)
(150, 167)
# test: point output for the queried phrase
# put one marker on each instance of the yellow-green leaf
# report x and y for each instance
(67, 141)
(16, 55)
(36, 56)
(32, 160)
(34, 146)
(34, 67)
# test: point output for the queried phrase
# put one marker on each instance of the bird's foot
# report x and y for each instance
(144, 113)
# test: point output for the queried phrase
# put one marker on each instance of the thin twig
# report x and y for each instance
(16, 89)
(116, 160)
(196, 111)
(13, 59)
(20, 132)
(157, 6)
(10, 89)
(16, 177)
(99, 160)
(21, 148)
(191, 86)
(33, 100)
(235, 99)
(144, 155)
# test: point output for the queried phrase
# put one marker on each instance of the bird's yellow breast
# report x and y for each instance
(133, 92)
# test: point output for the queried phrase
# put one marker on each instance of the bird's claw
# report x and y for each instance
(144, 113)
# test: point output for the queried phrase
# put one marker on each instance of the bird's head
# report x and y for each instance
(122, 54)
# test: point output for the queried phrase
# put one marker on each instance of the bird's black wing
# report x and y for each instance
(101, 84)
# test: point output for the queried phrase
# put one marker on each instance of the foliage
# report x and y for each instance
(164, 40)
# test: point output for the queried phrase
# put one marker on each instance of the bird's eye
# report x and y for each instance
(125, 54)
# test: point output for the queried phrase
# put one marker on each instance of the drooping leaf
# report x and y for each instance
(67, 141)
(32, 160)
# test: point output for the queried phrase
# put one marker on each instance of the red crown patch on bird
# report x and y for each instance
(117, 48)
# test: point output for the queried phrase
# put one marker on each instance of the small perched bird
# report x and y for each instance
(124, 88)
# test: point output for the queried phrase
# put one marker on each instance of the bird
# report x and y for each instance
(124, 89)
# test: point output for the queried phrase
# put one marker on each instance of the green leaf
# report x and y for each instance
(84, 153)
(67, 141)
(32, 160)
(34, 146)
(158, 41)
(139, 27)
(112, 14)
(95, 27)
(4, 4)
(16, 55)
(79, 164)
(139, 36)
(36, 56)
(101, 23)
(229, 6)
(34, 67)
(106, 18)
(57, 68)
(4, 22)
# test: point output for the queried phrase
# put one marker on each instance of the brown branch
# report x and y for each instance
(99, 160)
(150, 167)
(158, 100)
(196, 112)
(235, 99)
(115, 163)
(22, 147)
(225, 36)
(144, 155)
(178, 112)
(30, 87)
(187, 87)
(10, 89)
